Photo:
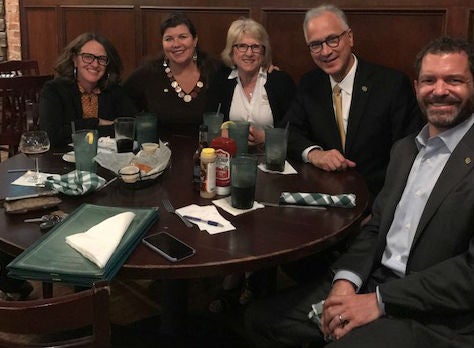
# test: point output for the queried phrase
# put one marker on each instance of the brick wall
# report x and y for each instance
(12, 18)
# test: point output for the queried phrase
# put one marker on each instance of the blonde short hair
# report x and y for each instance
(250, 27)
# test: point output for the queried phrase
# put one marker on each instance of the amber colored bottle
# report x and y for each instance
(226, 148)
(197, 157)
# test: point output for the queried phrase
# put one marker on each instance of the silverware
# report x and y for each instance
(170, 209)
(19, 170)
(108, 183)
(317, 207)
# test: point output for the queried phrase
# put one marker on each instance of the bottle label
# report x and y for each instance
(222, 168)
(211, 177)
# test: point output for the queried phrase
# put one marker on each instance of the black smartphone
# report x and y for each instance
(168, 246)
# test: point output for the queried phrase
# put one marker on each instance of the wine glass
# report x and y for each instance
(33, 144)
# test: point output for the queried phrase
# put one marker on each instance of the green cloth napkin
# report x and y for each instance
(346, 200)
(75, 183)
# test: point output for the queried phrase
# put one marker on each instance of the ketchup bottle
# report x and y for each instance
(226, 148)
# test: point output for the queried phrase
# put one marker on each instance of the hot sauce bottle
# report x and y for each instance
(226, 148)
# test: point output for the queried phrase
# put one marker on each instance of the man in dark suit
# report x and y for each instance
(378, 104)
(408, 278)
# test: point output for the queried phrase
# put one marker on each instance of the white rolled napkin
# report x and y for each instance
(99, 242)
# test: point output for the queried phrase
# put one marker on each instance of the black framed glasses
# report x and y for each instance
(332, 41)
(88, 58)
(255, 48)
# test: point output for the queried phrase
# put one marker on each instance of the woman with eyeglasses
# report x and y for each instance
(248, 88)
(85, 93)
(174, 85)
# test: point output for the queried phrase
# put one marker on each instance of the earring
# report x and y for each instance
(165, 62)
(195, 55)
(75, 73)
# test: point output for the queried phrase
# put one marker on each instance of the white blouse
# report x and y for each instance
(257, 111)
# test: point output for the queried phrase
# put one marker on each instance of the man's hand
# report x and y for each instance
(344, 310)
(331, 160)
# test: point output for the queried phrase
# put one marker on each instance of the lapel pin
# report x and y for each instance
(364, 88)
(467, 160)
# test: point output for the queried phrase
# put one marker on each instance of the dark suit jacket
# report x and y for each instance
(280, 89)
(438, 289)
(383, 110)
(60, 103)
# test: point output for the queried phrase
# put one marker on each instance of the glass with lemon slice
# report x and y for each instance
(85, 149)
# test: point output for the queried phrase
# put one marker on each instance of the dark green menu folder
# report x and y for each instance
(50, 259)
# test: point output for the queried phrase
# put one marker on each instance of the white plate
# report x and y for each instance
(69, 157)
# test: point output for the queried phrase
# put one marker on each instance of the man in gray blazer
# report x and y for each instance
(408, 278)
(378, 104)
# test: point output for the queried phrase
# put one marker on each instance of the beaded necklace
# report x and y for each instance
(177, 88)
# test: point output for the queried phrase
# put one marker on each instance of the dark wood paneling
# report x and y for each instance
(393, 38)
(115, 24)
(289, 50)
(389, 32)
(39, 32)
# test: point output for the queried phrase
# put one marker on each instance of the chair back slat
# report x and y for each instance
(14, 68)
(19, 98)
(52, 317)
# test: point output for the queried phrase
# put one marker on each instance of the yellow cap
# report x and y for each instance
(208, 151)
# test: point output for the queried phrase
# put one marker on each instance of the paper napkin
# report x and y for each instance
(99, 242)
(208, 212)
(225, 203)
(287, 170)
(26, 179)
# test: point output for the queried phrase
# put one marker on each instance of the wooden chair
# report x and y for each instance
(50, 318)
(14, 68)
(20, 108)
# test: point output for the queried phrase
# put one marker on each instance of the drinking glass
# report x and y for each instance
(33, 144)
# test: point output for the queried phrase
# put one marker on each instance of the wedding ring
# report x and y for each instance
(340, 319)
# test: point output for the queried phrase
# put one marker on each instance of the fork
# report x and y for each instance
(170, 209)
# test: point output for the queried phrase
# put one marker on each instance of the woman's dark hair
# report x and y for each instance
(206, 65)
(177, 18)
(65, 65)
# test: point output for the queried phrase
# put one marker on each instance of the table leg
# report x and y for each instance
(174, 306)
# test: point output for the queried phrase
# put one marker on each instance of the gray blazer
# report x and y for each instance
(438, 290)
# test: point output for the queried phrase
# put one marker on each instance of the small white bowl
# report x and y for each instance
(129, 174)
(150, 147)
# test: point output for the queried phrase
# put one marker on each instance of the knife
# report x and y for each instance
(317, 207)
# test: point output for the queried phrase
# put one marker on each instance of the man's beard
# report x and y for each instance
(448, 119)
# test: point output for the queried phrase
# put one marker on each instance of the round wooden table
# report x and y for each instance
(263, 237)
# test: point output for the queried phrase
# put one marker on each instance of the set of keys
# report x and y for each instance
(46, 221)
